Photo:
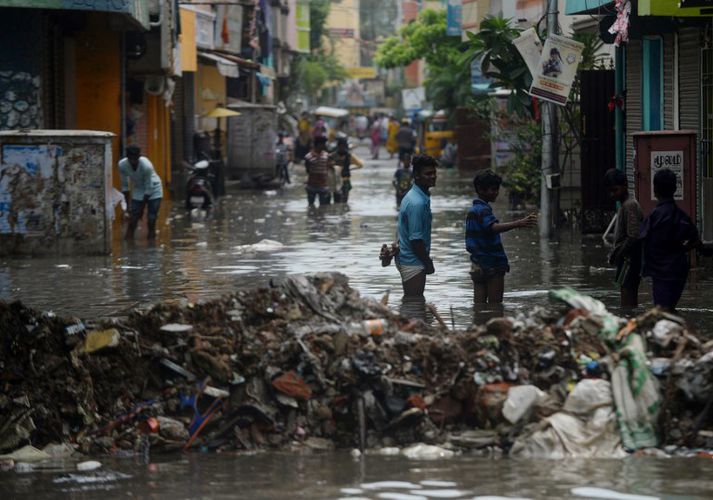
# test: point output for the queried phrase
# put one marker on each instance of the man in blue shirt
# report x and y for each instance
(482, 240)
(146, 189)
(413, 260)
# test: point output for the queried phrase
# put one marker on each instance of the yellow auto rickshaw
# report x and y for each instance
(433, 129)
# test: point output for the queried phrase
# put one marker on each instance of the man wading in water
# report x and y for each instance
(412, 255)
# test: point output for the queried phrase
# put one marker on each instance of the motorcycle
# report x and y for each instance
(199, 188)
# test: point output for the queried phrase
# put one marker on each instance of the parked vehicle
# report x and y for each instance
(199, 188)
(432, 130)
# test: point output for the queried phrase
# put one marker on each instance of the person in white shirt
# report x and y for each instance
(146, 190)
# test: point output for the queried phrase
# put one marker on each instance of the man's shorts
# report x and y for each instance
(409, 272)
(481, 276)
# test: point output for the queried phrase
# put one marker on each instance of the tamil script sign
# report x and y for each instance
(556, 69)
(672, 160)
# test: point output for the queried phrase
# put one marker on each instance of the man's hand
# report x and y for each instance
(429, 267)
(529, 221)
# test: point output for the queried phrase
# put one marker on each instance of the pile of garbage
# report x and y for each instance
(309, 364)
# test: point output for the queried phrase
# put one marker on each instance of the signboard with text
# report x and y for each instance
(672, 160)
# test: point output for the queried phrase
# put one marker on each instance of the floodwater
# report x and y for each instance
(198, 258)
(337, 475)
(201, 257)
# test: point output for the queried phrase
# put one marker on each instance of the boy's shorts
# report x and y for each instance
(481, 276)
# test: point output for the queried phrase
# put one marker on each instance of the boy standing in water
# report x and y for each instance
(626, 254)
(482, 240)
(403, 178)
(668, 235)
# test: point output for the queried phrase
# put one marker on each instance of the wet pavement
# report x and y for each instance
(198, 258)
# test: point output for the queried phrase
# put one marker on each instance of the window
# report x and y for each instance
(652, 79)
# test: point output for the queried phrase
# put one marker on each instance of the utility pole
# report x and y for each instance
(550, 197)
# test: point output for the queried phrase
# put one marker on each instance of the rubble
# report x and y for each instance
(307, 364)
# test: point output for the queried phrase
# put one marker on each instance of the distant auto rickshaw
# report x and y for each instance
(433, 129)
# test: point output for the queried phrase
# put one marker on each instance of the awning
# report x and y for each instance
(330, 112)
(601, 7)
(137, 10)
(226, 67)
(675, 8)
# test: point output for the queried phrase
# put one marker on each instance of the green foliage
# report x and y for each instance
(500, 61)
(448, 79)
(318, 13)
(316, 70)
(425, 38)
(311, 76)
(522, 174)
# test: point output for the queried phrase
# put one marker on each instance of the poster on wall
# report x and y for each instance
(556, 69)
(672, 160)
(25, 171)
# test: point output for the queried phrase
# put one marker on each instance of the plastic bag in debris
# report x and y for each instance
(521, 399)
(636, 394)
(588, 395)
(695, 378)
(260, 246)
(664, 331)
(588, 435)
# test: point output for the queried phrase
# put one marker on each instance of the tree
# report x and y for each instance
(448, 80)
(500, 61)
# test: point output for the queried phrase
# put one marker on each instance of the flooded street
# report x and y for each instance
(201, 258)
(337, 475)
(196, 258)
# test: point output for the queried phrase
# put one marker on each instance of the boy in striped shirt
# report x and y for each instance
(489, 263)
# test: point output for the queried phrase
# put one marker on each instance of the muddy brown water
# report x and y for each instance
(199, 258)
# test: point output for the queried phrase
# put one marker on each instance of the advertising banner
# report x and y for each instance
(454, 18)
(556, 69)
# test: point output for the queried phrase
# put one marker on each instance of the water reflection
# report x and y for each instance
(338, 475)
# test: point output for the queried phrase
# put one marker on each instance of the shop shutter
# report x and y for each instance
(689, 78)
(668, 74)
(633, 102)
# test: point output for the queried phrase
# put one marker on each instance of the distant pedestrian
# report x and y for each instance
(318, 165)
(414, 228)
(282, 158)
(146, 190)
(361, 123)
(406, 138)
(320, 129)
(375, 135)
(391, 145)
(626, 252)
(304, 137)
(403, 179)
(344, 161)
(488, 261)
(668, 235)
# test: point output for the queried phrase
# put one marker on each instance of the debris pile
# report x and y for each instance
(308, 363)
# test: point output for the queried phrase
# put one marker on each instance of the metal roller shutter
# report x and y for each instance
(633, 102)
(689, 78)
(668, 74)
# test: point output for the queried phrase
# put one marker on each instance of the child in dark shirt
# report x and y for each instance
(626, 251)
(668, 235)
(482, 240)
(403, 178)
